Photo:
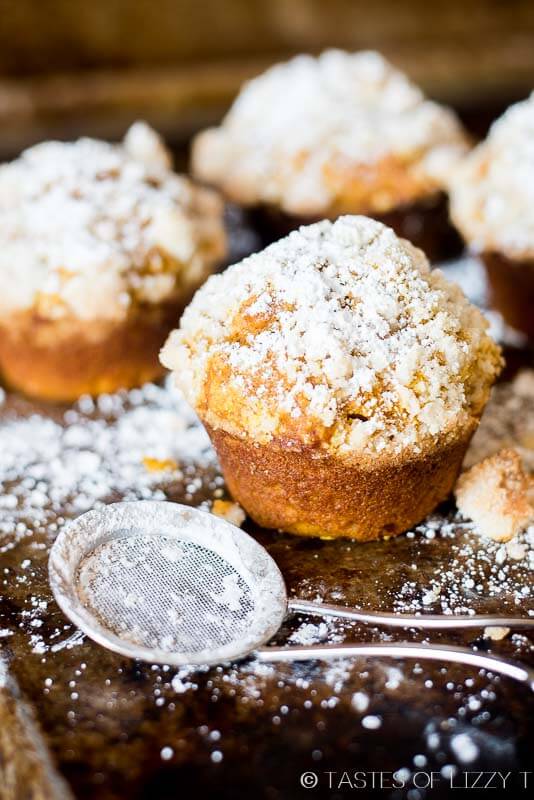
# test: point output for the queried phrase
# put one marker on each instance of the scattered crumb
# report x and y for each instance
(160, 464)
(516, 550)
(65, 467)
(496, 633)
(476, 571)
(231, 512)
(494, 494)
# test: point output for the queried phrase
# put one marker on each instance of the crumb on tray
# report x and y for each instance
(159, 464)
(231, 512)
(496, 632)
(494, 494)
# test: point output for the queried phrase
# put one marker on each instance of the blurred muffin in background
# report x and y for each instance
(101, 247)
(343, 133)
(492, 204)
(339, 378)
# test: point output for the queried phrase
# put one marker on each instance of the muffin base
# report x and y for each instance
(310, 493)
(511, 285)
(426, 224)
(59, 360)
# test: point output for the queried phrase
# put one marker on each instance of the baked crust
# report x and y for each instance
(512, 289)
(305, 491)
(59, 360)
(425, 223)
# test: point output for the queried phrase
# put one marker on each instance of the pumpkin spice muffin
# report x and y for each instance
(101, 247)
(492, 204)
(344, 133)
(339, 378)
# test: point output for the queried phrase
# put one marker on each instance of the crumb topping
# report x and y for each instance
(89, 227)
(495, 495)
(496, 632)
(338, 335)
(492, 200)
(344, 131)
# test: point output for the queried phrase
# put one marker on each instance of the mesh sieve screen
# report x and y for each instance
(165, 593)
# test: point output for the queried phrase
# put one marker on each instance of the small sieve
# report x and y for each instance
(167, 583)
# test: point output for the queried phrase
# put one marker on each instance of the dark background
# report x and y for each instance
(91, 66)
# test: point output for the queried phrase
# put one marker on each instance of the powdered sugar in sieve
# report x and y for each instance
(165, 582)
(164, 594)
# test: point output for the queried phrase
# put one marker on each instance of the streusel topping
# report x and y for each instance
(494, 494)
(492, 201)
(296, 134)
(338, 335)
(89, 227)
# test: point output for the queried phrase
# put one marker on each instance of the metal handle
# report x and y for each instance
(426, 621)
(459, 655)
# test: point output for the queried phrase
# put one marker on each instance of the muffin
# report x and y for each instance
(492, 204)
(101, 247)
(344, 133)
(340, 380)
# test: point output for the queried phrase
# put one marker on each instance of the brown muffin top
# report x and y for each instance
(338, 336)
(89, 227)
(340, 133)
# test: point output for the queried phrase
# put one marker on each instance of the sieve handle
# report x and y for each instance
(426, 621)
(459, 655)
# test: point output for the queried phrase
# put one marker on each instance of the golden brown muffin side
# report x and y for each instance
(59, 360)
(305, 491)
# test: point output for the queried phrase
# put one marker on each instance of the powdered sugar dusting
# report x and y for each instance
(64, 467)
(475, 572)
(343, 334)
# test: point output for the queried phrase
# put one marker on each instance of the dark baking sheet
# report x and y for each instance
(76, 719)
